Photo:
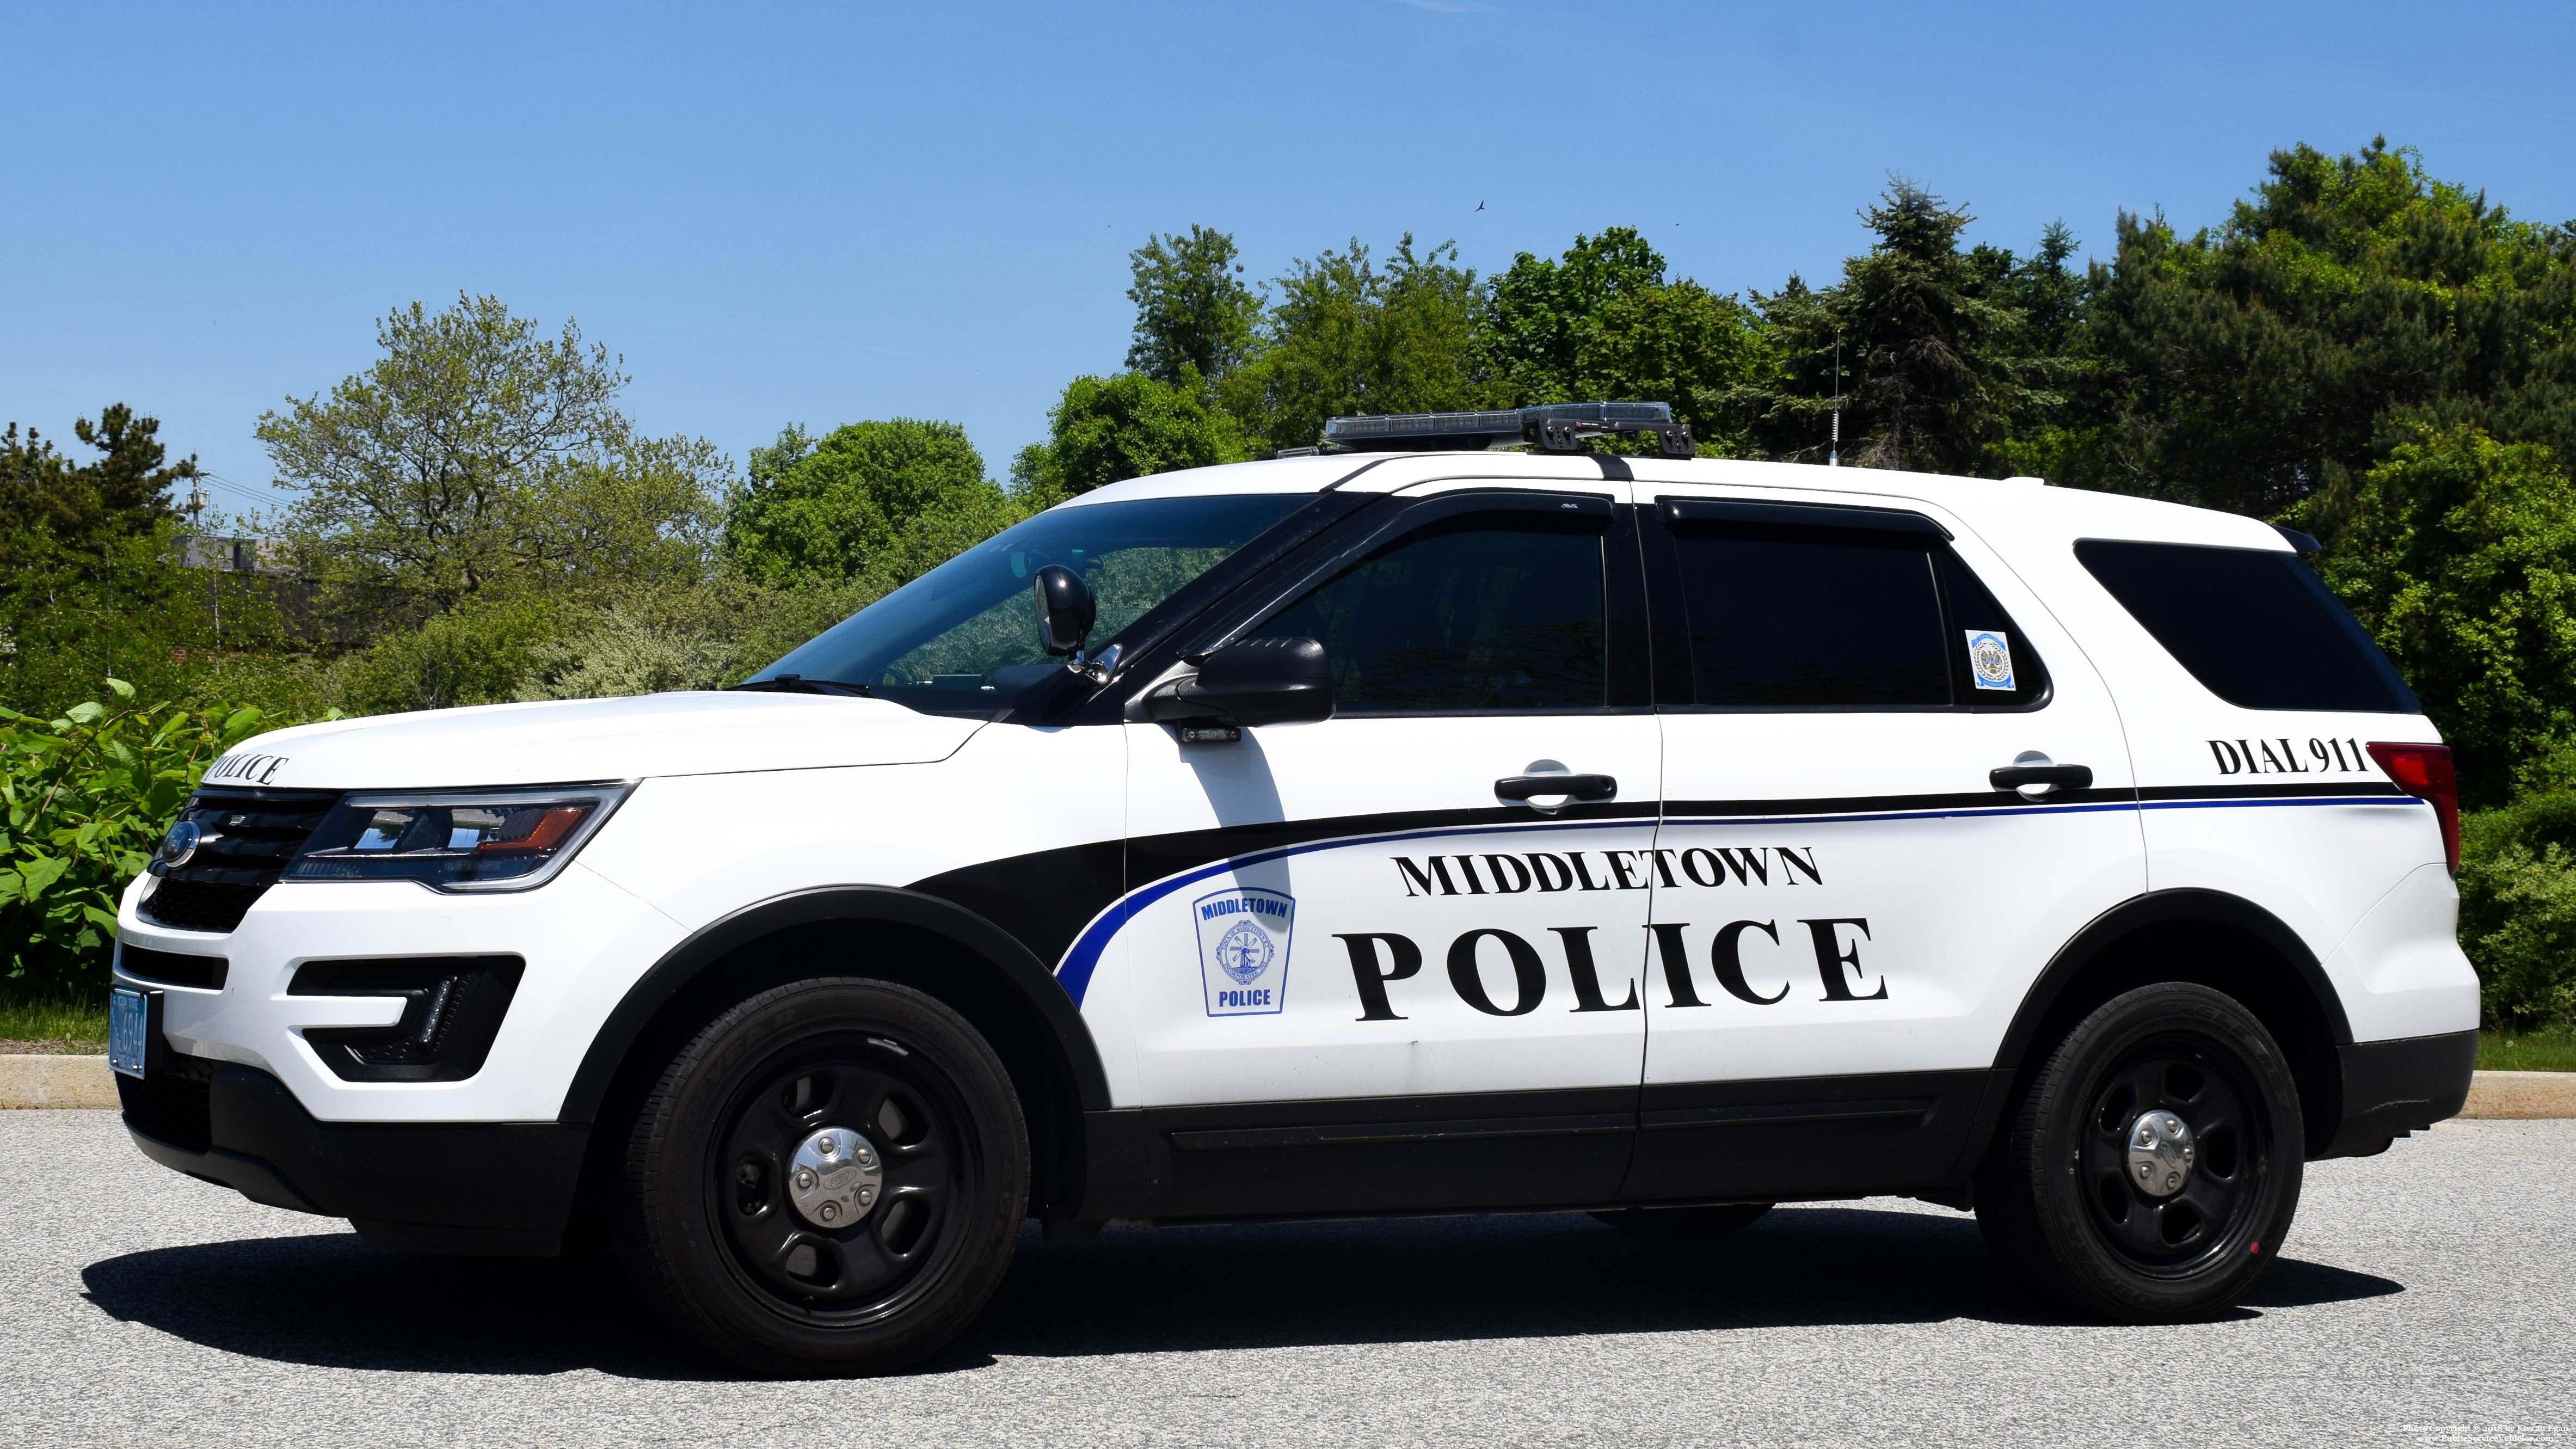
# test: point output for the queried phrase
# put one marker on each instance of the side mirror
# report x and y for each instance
(1065, 611)
(1255, 682)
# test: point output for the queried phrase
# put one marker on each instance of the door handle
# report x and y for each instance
(2015, 777)
(1580, 787)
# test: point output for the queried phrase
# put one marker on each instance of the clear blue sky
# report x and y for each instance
(861, 211)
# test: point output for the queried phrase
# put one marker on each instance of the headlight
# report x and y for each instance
(486, 840)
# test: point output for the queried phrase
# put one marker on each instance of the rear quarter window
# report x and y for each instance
(2255, 626)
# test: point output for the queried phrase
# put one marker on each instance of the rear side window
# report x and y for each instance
(1810, 612)
(2255, 626)
(1788, 621)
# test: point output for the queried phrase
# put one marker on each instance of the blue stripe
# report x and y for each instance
(1079, 963)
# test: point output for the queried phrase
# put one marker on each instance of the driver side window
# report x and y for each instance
(1481, 614)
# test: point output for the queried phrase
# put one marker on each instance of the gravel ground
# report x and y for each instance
(2426, 1298)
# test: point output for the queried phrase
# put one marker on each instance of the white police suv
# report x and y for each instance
(1415, 826)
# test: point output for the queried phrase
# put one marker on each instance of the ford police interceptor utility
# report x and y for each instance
(1413, 826)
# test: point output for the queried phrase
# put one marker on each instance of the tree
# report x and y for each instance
(91, 583)
(2283, 353)
(1932, 369)
(892, 498)
(1193, 309)
(1346, 337)
(2458, 553)
(1130, 426)
(476, 458)
(1603, 322)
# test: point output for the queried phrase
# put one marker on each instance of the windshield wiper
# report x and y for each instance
(799, 684)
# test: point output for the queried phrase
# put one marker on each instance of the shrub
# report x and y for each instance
(87, 796)
(2518, 908)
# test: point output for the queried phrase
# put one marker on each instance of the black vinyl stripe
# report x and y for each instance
(1894, 804)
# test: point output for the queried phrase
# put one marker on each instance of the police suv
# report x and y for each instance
(1414, 826)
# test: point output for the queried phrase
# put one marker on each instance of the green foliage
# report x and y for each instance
(56, 1021)
(1193, 310)
(1347, 336)
(2253, 364)
(890, 500)
(88, 795)
(1602, 322)
(1932, 362)
(703, 637)
(2518, 908)
(477, 459)
(91, 582)
(1130, 426)
(478, 653)
(2459, 555)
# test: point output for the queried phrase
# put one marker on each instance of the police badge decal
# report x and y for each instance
(1990, 659)
(1243, 950)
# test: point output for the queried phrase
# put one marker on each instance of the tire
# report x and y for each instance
(706, 1223)
(2059, 1199)
(1695, 1222)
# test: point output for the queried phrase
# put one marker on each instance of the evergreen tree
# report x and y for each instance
(2279, 356)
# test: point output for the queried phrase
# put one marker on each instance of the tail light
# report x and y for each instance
(2424, 771)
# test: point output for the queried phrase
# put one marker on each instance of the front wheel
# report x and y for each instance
(828, 1179)
(2152, 1164)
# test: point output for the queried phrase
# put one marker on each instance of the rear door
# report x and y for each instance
(1366, 963)
(1848, 911)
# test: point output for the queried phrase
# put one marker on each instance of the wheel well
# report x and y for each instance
(939, 966)
(2245, 958)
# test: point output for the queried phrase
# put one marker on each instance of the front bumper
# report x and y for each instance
(584, 940)
(2392, 1088)
(502, 1188)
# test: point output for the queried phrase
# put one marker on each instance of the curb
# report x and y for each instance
(51, 1081)
(2522, 1094)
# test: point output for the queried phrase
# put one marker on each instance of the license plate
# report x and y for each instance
(129, 1022)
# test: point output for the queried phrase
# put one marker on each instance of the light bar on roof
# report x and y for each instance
(1550, 427)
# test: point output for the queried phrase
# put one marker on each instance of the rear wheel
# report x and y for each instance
(828, 1179)
(1698, 1222)
(2152, 1165)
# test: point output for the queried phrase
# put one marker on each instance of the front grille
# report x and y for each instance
(171, 968)
(174, 1104)
(248, 836)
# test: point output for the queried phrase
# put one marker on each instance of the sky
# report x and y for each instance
(820, 215)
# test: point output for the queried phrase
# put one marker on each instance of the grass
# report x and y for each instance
(60, 1024)
(2550, 1049)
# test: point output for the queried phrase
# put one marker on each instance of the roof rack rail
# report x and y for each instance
(1550, 428)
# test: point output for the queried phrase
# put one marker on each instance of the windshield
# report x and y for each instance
(963, 638)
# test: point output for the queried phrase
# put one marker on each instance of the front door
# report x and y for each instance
(1848, 910)
(1377, 962)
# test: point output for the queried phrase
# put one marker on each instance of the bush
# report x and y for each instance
(2518, 908)
(88, 796)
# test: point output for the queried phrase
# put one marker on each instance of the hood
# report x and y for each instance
(697, 733)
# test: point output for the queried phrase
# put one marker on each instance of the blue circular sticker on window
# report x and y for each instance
(1990, 659)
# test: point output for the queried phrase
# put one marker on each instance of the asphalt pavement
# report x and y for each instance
(2428, 1296)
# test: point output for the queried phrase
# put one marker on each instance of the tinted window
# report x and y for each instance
(1793, 618)
(1975, 619)
(1475, 615)
(2253, 625)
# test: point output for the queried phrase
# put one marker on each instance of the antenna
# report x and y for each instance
(1834, 451)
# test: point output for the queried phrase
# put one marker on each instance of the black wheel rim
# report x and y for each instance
(2213, 1211)
(869, 1269)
